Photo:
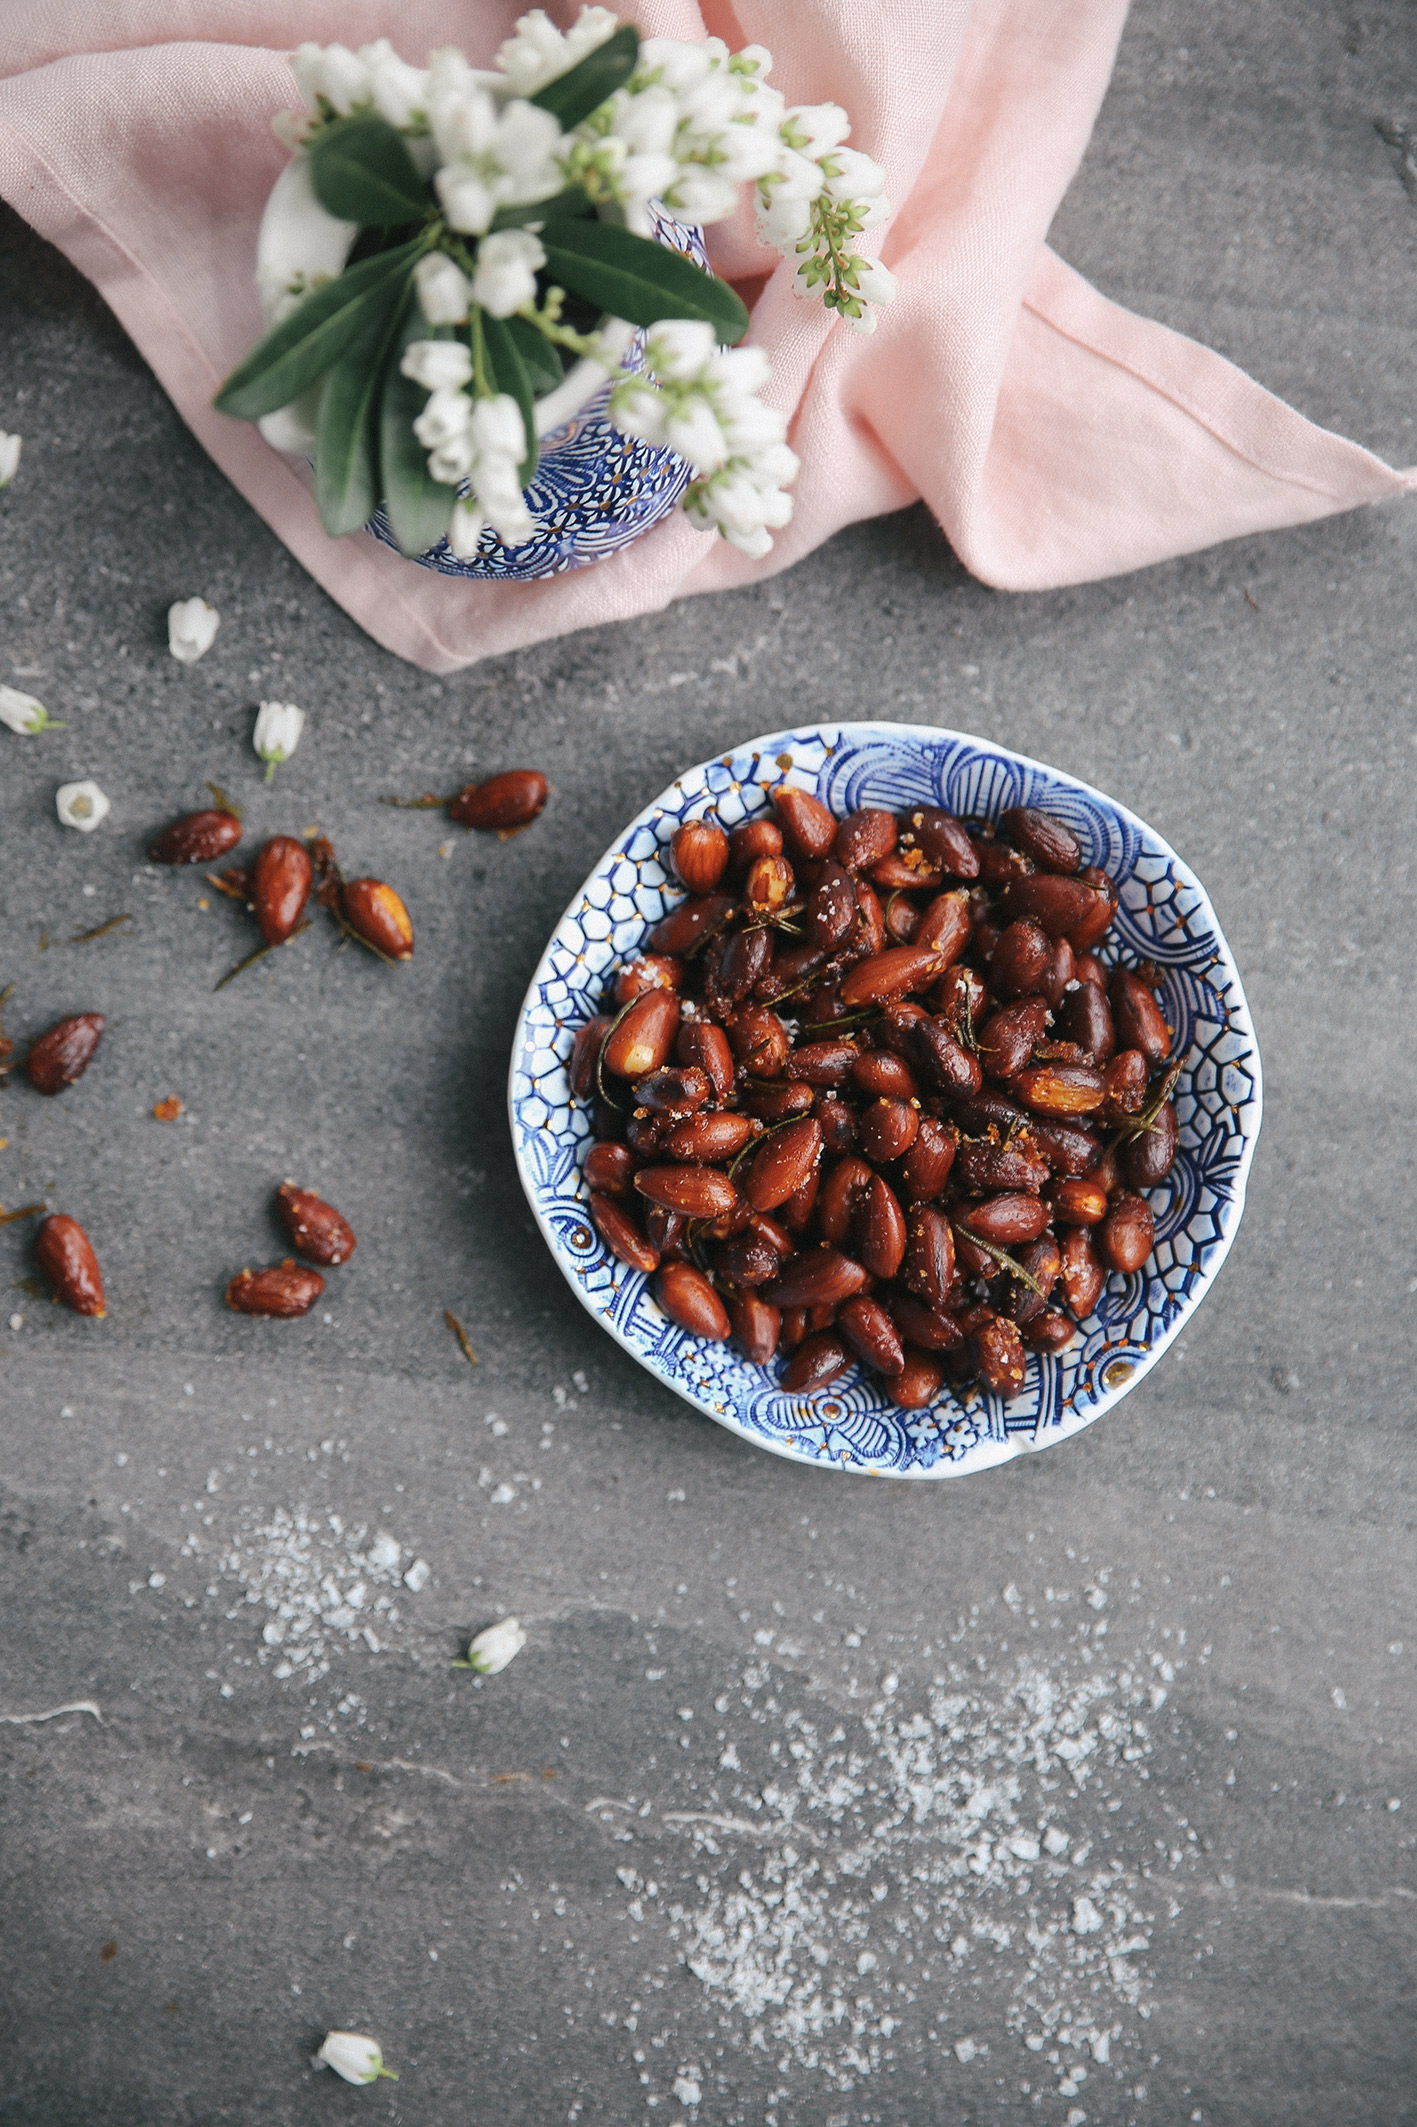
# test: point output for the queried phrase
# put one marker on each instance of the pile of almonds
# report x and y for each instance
(871, 1094)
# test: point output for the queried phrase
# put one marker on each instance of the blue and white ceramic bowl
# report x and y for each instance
(1164, 917)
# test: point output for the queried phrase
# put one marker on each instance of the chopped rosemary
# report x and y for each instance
(259, 954)
(464, 1341)
(100, 930)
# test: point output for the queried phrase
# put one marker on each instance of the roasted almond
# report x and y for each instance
(1051, 843)
(805, 821)
(643, 1039)
(314, 1226)
(285, 1290)
(816, 1361)
(506, 801)
(375, 913)
(878, 1229)
(700, 854)
(821, 1277)
(781, 1166)
(871, 1333)
(697, 1192)
(892, 973)
(65, 1254)
(687, 1297)
(197, 838)
(280, 887)
(616, 1226)
(65, 1052)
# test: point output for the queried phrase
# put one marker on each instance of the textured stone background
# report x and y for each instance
(267, 1860)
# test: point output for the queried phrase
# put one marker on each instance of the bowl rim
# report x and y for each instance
(985, 1455)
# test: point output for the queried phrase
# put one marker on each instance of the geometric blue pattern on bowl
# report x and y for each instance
(1164, 916)
(594, 490)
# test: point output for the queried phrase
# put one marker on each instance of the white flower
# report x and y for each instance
(465, 530)
(497, 425)
(446, 416)
(494, 1647)
(292, 428)
(24, 714)
(678, 349)
(493, 155)
(277, 733)
(507, 266)
(9, 457)
(333, 72)
(357, 2059)
(300, 244)
(539, 53)
(851, 175)
(400, 91)
(438, 365)
(191, 629)
(444, 290)
(81, 805)
(813, 128)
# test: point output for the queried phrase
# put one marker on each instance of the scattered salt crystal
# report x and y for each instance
(865, 1963)
(17, 1321)
(503, 1496)
(1057, 1842)
(965, 2049)
(416, 1577)
(385, 1552)
(157, 1580)
(686, 2089)
(1086, 1918)
(1025, 1848)
(1339, 1697)
(1102, 2046)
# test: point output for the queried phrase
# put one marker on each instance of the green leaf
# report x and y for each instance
(574, 95)
(346, 458)
(569, 205)
(539, 358)
(420, 508)
(509, 375)
(303, 346)
(630, 277)
(363, 172)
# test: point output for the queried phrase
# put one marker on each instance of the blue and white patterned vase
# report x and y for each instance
(594, 489)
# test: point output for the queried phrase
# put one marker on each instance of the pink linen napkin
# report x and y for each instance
(1056, 437)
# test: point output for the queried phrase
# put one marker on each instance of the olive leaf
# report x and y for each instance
(509, 375)
(420, 508)
(362, 172)
(539, 358)
(298, 351)
(628, 276)
(584, 88)
(569, 205)
(346, 453)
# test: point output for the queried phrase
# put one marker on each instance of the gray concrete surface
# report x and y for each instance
(704, 1853)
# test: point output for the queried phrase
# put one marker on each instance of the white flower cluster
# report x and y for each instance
(373, 78)
(478, 440)
(702, 401)
(694, 122)
(539, 52)
(491, 153)
(820, 195)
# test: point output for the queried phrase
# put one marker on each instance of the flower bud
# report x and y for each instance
(507, 264)
(494, 1647)
(438, 365)
(24, 714)
(81, 805)
(191, 629)
(357, 2059)
(9, 457)
(277, 733)
(444, 290)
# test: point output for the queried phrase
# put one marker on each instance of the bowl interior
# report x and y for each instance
(1164, 917)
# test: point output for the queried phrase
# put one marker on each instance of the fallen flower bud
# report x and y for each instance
(277, 733)
(10, 447)
(191, 629)
(357, 2059)
(22, 712)
(81, 805)
(493, 1647)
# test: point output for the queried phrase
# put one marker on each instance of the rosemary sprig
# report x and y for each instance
(100, 930)
(1144, 1124)
(429, 802)
(26, 1211)
(1005, 1261)
(259, 954)
(224, 886)
(461, 1334)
